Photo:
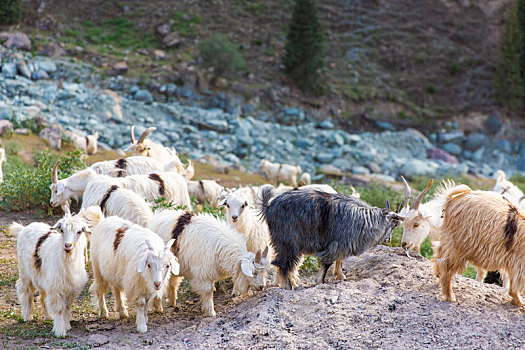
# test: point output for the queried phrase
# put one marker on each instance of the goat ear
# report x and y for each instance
(265, 252)
(258, 256)
(175, 267)
(169, 244)
(222, 203)
(247, 267)
(142, 264)
(148, 243)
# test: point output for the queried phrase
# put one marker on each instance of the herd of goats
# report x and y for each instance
(144, 255)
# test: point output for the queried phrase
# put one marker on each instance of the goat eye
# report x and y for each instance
(167, 266)
(416, 224)
(149, 266)
(228, 205)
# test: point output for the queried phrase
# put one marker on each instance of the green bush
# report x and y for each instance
(304, 57)
(219, 53)
(27, 187)
(9, 11)
(162, 203)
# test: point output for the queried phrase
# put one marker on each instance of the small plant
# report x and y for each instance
(310, 264)
(26, 187)
(186, 24)
(431, 89)
(9, 11)
(453, 68)
(220, 54)
(30, 123)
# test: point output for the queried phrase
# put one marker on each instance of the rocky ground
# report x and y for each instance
(288, 135)
(388, 301)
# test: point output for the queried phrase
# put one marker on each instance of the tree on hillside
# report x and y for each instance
(304, 57)
(9, 11)
(509, 82)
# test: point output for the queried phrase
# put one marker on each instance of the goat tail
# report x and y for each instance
(267, 192)
(15, 228)
(93, 215)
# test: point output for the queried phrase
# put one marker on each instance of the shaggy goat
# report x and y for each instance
(280, 172)
(132, 165)
(133, 260)
(331, 226)
(209, 250)
(205, 191)
(148, 148)
(51, 260)
(114, 200)
(508, 190)
(483, 228)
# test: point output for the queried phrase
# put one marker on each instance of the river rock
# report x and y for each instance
(5, 125)
(493, 123)
(436, 153)
(324, 157)
(16, 40)
(452, 148)
(23, 69)
(503, 145)
(416, 167)
(9, 70)
(143, 95)
(53, 134)
(451, 136)
(475, 142)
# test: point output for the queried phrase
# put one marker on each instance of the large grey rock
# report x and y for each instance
(503, 145)
(5, 125)
(39, 74)
(326, 124)
(451, 136)
(477, 156)
(493, 123)
(324, 157)
(218, 125)
(336, 139)
(16, 40)
(23, 69)
(358, 169)
(46, 66)
(53, 134)
(342, 163)
(416, 167)
(452, 148)
(475, 142)
(9, 70)
(143, 95)
(290, 116)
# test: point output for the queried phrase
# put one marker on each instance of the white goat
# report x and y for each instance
(280, 172)
(51, 260)
(3, 159)
(88, 143)
(209, 250)
(133, 165)
(205, 191)
(151, 185)
(508, 190)
(244, 217)
(133, 260)
(148, 148)
(118, 201)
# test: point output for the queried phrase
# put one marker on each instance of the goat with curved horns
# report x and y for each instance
(148, 148)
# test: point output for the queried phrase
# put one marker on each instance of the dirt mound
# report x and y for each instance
(388, 301)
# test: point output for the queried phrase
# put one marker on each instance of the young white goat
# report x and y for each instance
(209, 250)
(131, 259)
(205, 191)
(148, 148)
(508, 190)
(88, 143)
(115, 200)
(51, 260)
(3, 159)
(280, 172)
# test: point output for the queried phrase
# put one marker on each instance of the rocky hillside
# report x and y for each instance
(410, 62)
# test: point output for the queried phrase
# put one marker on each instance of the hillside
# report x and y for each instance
(406, 61)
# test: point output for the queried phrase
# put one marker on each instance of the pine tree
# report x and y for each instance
(304, 58)
(509, 82)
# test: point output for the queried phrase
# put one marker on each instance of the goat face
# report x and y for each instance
(415, 229)
(254, 266)
(236, 203)
(58, 194)
(71, 228)
(156, 266)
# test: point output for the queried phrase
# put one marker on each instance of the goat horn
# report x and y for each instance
(417, 201)
(408, 192)
(54, 173)
(133, 134)
(258, 256)
(145, 134)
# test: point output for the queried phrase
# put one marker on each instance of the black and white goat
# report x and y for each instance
(330, 226)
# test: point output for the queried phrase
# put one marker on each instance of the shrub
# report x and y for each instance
(9, 11)
(27, 187)
(219, 53)
(304, 57)
(508, 82)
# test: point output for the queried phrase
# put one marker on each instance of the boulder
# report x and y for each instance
(360, 170)
(16, 40)
(330, 170)
(326, 124)
(475, 142)
(118, 68)
(39, 74)
(436, 153)
(164, 29)
(5, 125)
(493, 123)
(46, 66)
(23, 69)
(171, 40)
(503, 145)
(52, 50)
(451, 136)
(53, 134)
(143, 95)
(159, 54)
(9, 70)
(324, 157)
(416, 167)
(452, 148)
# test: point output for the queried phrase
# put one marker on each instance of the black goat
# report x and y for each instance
(327, 225)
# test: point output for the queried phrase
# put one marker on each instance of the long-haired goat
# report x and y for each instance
(331, 226)
(148, 148)
(133, 165)
(209, 250)
(133, 260)
(483, 228)
(114, 200)
(205, 191)
(88, 143)
(280, 172)
(508, 190)
(51, 260)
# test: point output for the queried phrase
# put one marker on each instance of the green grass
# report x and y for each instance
(185, 24)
